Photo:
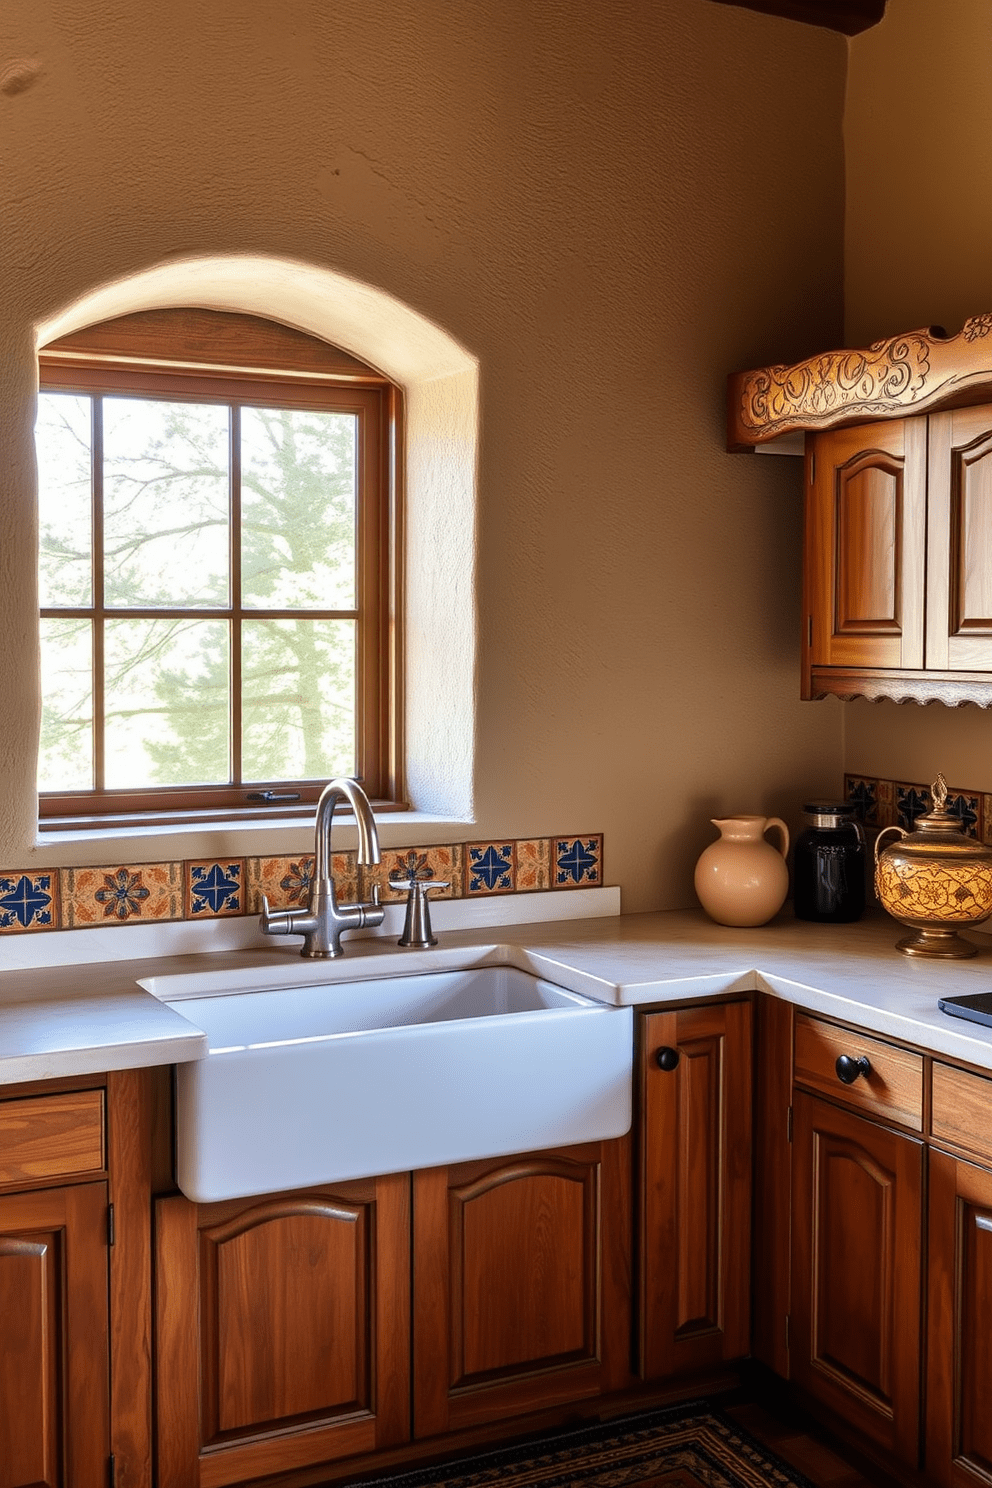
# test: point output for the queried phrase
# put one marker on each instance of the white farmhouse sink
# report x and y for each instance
(316, 1084)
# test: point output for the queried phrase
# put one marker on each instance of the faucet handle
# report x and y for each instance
(417, 930)
(278, 922)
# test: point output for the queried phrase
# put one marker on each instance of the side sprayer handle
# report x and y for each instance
(900, 832)
(783, 831)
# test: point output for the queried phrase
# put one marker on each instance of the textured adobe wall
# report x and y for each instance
(918, 127)
(609, 207)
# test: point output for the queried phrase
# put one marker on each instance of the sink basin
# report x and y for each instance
(320, 1083)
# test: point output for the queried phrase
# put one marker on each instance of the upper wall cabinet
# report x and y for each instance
(898, 530)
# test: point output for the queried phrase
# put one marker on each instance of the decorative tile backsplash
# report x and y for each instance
(211, 888)
(897, 803)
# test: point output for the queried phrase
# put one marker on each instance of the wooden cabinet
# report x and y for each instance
(361, 1323)
(865, 546)
(283, 1322)
(898, 553)
(959, 539)
(898, 559)
(54, 1317)
(891, 1086)
(54, 1352)
(856, 1272)
(521, 1284)
(695, 1189)
(959, 1371)
(282, 1328)
(959, 1354)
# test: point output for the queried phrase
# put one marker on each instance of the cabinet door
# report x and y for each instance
(521, 1284)
(959, 1369)
(865, 547)
(959, 541)
(695, 1232)
(282, 1330)
(54, 1355)
(856, 1300)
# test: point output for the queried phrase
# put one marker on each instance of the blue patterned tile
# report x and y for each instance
(214, 888)
(491, 867)
(862, 790)
(28, 901)
(911, 801)
(578, 861)
(967, 807)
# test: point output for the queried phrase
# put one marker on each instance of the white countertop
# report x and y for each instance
(81, 1019)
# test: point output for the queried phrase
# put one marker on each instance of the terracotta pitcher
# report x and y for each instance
(741, 879)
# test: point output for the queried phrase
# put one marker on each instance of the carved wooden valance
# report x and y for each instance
(917, 372)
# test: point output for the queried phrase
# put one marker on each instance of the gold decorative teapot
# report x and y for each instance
(935, 880)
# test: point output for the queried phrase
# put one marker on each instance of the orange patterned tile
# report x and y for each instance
(534, 864)
(286, 881)
(885, 809)
(442, 863)
(121, 894)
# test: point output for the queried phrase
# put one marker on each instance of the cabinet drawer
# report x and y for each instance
(894, 1087)
(962, 1107)
(51, 1136)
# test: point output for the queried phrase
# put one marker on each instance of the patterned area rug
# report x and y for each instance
(685, 1446)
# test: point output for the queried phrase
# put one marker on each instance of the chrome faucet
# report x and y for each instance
(323, 921)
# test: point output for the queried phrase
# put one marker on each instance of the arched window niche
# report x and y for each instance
(440, 383)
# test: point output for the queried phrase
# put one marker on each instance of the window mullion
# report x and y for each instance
(237, 769)
(99, 599)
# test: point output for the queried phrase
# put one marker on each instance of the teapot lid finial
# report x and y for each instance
(938, 792)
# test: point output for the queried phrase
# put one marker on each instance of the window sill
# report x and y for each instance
(65, 845)
(196, 820)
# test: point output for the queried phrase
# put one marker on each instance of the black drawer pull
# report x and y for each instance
(849, 1069)
(667, 1058)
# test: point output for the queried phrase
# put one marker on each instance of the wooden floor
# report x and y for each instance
(806, 1453)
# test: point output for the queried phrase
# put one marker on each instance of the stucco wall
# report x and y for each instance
(918, 129)
(609, 207)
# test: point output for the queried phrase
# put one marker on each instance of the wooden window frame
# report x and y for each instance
(216, 357)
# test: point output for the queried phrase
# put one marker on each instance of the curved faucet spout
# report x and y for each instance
(344, 789)
(323, 921)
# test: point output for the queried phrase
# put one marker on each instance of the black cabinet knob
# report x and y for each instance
(849, 1069)
(666, 1058)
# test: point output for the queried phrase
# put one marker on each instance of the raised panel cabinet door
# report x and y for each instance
(959, 1350)
(865, 537)
(54, 1352)
(856, 1272)
(959, 541)
(695, 1212)
(521, 1284)
(282, 1327)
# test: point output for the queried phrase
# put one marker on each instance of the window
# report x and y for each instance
(217, 566)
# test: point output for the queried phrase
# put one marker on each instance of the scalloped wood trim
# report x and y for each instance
(953, 689)
(916, 372)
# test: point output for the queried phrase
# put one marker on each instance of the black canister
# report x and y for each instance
(829, 867)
